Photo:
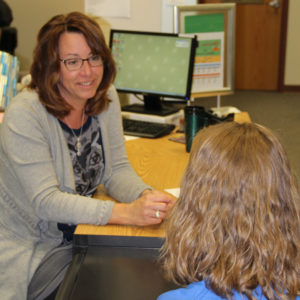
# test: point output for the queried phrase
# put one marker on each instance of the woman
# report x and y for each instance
(60, 139)
(234, 231)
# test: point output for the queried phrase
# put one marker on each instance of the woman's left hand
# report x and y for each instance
(151, 207)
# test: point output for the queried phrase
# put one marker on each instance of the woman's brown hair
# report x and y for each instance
(236, 222)
(46, 65)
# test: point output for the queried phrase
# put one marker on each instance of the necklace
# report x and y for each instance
(78, 138)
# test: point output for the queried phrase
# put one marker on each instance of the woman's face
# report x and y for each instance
(77, 86)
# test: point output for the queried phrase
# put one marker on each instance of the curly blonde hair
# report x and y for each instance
(236, 224)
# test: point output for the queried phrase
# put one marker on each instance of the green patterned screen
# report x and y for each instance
(152, 63)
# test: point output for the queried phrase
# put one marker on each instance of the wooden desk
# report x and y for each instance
(161, 164)
(119, 262)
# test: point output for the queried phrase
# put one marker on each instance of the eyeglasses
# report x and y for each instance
(73, 64)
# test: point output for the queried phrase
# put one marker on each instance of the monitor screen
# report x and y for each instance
(155, 65)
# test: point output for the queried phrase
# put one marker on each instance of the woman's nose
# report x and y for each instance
(86, 68)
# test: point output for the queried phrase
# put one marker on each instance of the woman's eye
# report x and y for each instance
(95, 58)
(73, 62)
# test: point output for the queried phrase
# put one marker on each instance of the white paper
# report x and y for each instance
(209, 75)
(175, 192)
(108, 8)
(129, 137)
(176, 2)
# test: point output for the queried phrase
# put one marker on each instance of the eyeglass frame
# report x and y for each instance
(82, 61)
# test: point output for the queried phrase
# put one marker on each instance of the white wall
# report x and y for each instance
(155, 15)
(30, 15)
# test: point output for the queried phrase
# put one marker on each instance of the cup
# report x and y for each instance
(195, 119)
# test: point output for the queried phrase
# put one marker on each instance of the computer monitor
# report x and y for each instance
(154, 65)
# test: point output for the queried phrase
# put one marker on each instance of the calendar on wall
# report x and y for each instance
(214, 26)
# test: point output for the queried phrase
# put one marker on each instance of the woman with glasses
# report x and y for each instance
(60, 139)
(234, 232)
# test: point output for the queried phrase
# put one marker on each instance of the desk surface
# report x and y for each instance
(161, 164)
(106, 257)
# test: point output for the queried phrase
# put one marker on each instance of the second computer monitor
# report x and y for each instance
(155, 65)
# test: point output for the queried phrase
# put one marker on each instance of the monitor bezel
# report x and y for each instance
(161, 95)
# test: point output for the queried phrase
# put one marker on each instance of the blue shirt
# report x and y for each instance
(198, 290)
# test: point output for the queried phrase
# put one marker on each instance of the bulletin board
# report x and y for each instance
(214, 26)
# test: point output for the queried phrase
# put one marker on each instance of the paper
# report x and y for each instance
(175, 192)
(129, 137)
(209, 62)
(108, 8)
(176, 2)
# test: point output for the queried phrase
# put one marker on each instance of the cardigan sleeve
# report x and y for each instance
(121, 181)
(32, 156)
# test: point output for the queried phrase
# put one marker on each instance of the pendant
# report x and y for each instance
(78, 146)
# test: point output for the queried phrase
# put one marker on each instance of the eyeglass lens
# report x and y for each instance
(76, 63)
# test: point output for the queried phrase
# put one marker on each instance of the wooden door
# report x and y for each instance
(258, 45)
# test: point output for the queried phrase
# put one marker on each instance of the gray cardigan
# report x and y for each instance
(37, 187)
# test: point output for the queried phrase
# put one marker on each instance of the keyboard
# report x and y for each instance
(146, 129)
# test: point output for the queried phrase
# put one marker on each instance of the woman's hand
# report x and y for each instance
(149, 209)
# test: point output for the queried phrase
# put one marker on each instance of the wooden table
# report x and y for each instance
(161, 164)
(119, 262)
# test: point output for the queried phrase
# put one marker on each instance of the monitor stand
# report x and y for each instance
(152, 106)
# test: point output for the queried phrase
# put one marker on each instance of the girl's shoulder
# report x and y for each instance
(193, 291)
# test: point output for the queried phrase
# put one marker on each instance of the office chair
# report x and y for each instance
(8, 41)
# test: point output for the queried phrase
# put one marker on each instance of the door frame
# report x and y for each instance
(282, 59)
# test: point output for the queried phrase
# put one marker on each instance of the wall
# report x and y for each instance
(30, 15)
(292, 63)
